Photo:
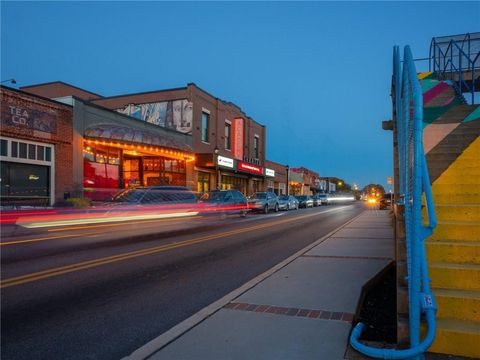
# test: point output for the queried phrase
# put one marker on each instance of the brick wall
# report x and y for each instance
(61, 137)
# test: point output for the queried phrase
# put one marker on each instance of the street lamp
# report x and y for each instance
(216, 151)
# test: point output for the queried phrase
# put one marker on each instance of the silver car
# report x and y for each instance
(287, 202)
(263, 201)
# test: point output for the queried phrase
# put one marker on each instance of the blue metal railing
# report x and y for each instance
(413, 180)
(452, 57)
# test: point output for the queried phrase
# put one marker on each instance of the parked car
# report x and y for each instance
(287, 202)
(323, 199)
(317, 200)
(305, 201)
(264, 202)
(224, 202)
(156, 195)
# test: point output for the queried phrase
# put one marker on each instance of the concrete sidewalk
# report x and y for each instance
(302, 309)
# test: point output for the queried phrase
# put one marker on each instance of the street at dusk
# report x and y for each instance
(233, 180)
(110, 307)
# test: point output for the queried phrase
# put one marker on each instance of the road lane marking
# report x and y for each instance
(42, 239)
(22, 279)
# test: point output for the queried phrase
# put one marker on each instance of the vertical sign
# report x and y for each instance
(238, 138)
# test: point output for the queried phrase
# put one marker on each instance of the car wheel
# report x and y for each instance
(288, 207)
(265, 209)
(276, 207)
(243, 213)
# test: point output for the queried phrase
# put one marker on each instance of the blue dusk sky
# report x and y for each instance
(317, 74)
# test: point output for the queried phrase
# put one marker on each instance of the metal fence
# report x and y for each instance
(457, 58)
(413, 182)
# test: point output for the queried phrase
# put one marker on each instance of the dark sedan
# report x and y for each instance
(223, 202)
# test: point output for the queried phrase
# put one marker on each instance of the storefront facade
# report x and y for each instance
(276, 177)
(303, 181)
(36, 149)
(201, 126)
(224, 173)
(217, 129)
(119, 152)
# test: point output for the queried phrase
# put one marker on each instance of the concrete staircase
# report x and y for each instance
(453, 250)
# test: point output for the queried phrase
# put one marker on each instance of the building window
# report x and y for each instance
(14, 149)
(255, 147)
(203, 184)
(205, 126)
(23, 151)
(228, 136)
(4, 148)
(48, 154)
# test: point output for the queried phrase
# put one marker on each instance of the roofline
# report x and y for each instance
(36, 96)
(89, 103)
(139, 93)
(61, 82)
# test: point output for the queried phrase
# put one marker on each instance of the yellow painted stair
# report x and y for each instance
(453, 253)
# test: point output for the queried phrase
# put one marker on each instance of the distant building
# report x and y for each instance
(303, 181)
(276, 177)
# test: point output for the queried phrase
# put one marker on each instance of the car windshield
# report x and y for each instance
(129, 195)
(259, 196)
(302, 197)
(284, 197)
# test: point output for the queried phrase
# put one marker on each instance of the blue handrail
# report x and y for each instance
(413, 181)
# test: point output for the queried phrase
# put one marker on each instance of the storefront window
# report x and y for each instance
(203, 184)
(101, 171)
(24, 184)
(233, 182)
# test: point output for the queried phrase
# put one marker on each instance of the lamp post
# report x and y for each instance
(217, 175)
(288, 180)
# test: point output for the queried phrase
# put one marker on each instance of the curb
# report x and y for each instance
(178, 330)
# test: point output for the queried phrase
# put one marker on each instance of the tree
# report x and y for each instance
(373, 189)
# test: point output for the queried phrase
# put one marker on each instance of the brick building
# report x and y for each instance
(113, 150)
(228, 145)
(303, 181)
(36, 149)
(276, 177)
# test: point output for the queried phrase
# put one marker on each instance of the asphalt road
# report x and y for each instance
(102, 291)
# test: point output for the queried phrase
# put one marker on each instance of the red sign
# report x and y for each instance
(250, 168)
(237, 138)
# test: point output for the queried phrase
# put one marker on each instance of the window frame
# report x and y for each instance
(205, 130)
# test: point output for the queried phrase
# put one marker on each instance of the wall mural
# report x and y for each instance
(176, 115)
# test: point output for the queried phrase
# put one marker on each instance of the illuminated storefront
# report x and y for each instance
(110, 166)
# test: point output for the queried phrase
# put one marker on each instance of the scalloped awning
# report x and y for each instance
(141, 137)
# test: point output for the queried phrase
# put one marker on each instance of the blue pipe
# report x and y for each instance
(419, 302)
(395, 353)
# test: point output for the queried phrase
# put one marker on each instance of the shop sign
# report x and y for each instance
(27, 118)
(225, 161)
(269, 172)
(237, 138)
(250, 168)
